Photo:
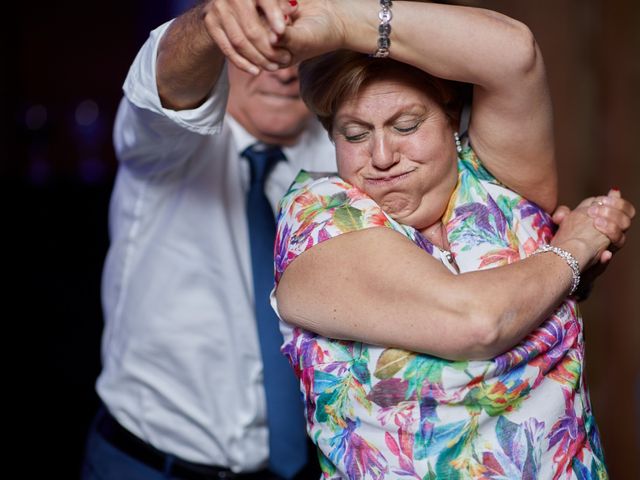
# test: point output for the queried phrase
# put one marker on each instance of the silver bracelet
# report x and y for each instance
(384, 29)
(567, 257)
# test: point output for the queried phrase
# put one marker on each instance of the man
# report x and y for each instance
(182, 379)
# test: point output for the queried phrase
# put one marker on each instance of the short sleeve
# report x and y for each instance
(317, 208)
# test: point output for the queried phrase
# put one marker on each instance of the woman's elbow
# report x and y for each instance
(478, 339)
(531, 58)
(524, 57)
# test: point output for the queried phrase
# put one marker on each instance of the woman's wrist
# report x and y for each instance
(385, 15)
(578, 250)
(569, 259)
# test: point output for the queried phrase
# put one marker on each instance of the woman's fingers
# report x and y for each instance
(318, 26)
(614, 199)
(612, 216)
(606, 256)
(278, 13)
(560, 214)
(612, 230)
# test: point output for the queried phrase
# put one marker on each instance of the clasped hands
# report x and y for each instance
(610, 216)
(258, 35)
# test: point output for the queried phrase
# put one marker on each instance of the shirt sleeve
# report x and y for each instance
(315, 210)
(146, 132)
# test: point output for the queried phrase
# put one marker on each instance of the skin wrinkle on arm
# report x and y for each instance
(476, 315)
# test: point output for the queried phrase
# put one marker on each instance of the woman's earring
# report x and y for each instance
(458, 144)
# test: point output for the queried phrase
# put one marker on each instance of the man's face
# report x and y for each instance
(268, 106)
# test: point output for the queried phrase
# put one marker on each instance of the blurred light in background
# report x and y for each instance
(91, 131)
(87, 113)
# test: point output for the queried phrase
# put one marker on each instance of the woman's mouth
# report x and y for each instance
(387, 180)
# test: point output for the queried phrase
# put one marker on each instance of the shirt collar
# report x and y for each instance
(244, 139)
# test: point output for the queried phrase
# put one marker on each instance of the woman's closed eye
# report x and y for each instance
(406, 127)
(355, 136)
(355, 133)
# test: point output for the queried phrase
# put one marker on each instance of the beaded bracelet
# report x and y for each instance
(384, 29)
(567, 257)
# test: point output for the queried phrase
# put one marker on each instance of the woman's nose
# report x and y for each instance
(382, 156)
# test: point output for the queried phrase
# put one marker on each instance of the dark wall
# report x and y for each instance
(591, 49)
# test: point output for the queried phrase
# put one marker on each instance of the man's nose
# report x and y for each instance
(287, 75)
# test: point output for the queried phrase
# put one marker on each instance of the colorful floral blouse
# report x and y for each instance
(379, 412)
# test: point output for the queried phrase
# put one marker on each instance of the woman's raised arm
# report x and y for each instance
(511, 125)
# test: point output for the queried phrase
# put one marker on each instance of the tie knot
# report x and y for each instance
(262, 158)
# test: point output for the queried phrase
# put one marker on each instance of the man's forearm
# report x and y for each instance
(189, 62)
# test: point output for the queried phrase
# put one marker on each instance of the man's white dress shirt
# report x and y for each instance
(181, 358)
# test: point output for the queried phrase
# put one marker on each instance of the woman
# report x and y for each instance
(376, 412)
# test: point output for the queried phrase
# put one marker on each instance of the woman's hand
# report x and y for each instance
(611, 215)
(612, 218)
(595, 229)
(318, 26)
(247, 31)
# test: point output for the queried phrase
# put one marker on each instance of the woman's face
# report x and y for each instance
(395, 143)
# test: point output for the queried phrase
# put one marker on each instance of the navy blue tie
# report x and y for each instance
(285, 417)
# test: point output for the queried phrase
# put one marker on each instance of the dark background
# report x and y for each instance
(56, 175)
(66, 64)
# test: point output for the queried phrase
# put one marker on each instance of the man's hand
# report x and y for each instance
(247, 31)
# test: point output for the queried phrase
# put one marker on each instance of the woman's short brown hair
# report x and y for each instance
(328, 80)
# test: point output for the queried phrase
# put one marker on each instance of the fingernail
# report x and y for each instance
(592, 211)
(272, 67)
(293, 3)
(253, 70)
(600, 222)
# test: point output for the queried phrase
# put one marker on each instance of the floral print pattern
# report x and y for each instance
(380, 412)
